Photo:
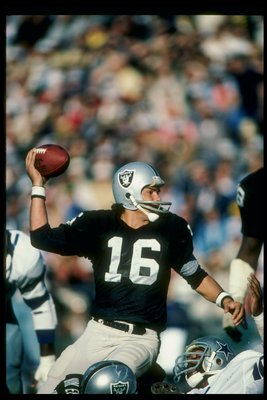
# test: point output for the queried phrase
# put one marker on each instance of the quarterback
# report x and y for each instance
(132, 247)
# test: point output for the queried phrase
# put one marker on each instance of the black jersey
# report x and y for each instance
(250, 202)
(131, 266)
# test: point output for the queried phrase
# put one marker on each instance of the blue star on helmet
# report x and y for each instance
(224, 348)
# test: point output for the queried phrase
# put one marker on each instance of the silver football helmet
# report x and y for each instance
(108, 377)
(202, 358)
(128, 183)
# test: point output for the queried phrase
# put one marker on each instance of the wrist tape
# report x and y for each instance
(38, 191)
(220, 298)
(238, 279)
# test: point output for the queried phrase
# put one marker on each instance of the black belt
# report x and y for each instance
(137, 329)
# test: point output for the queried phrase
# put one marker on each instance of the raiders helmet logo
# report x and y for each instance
(126, 177)
(119, 387)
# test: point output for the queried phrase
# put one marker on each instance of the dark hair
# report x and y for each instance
(117, 208)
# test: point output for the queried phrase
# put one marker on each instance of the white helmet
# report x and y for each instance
(108, 377)
(128, 183)
(202, 358)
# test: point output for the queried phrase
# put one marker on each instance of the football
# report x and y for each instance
(51, 160)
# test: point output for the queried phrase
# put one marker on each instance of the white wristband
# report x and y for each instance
(48, 359)
(220, 298)
(38, 191)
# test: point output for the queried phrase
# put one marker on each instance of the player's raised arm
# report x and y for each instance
(38, 214)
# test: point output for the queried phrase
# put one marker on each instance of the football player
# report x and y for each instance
(132, 247)
(249, 199)
(25, 272)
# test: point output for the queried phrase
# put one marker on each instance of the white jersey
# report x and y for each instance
(243, 375)
(25, 271)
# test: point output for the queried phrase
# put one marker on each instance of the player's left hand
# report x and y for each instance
(235, 308)
(41, 373)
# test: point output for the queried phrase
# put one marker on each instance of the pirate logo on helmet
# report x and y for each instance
(126, 177)
(119, 387)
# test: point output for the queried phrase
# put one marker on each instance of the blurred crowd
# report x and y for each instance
(182, 92)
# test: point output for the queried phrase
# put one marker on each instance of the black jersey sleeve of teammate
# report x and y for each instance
(250, 202)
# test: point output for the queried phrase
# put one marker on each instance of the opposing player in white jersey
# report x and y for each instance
(209, 365)
(25, 272)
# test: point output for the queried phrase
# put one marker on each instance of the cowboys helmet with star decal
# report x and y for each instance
(128, 183)
(203, 357)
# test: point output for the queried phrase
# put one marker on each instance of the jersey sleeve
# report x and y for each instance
(76, 237)
(29, 275)
(38, 298)
(241, 375)
(185, 263)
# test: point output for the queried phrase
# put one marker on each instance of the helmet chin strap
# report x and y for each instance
(195, 379)
(151, 216)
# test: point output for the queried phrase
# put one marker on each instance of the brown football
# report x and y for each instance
(51, 160)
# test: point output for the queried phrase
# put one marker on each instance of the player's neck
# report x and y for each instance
(134, 219)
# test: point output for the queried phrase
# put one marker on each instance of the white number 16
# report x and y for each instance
(150, 266)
